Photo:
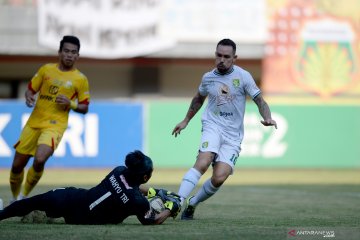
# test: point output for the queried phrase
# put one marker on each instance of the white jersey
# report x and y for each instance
(226, 100)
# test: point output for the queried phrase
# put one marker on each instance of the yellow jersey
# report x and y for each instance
(49, 82)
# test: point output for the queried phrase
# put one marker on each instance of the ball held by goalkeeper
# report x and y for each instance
(171, 200)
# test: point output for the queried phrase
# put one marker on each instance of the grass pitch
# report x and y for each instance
(253, 204)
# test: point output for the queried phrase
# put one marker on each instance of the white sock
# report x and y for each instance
(189, 182)
(206, 191)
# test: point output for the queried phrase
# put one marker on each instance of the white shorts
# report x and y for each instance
(226, 150)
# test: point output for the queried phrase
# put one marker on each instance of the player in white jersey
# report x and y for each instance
(226, 87)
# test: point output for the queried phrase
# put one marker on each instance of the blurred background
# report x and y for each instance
(145, 58)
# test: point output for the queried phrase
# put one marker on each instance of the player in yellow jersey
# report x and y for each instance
(53, 92)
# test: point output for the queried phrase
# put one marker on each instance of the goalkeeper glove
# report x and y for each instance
(174, 207)
(162, 193)
(151, 192)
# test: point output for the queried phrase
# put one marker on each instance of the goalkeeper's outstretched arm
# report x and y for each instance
(161, 217)
(153, 218)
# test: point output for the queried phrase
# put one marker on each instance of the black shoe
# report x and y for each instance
(188, 213)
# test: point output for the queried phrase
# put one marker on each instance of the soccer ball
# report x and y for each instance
(157, 204)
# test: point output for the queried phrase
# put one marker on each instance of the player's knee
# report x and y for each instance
(40, 159)
(16, 168)
(201, 166)
(218, 180)
(39, 165)
(201, 169)
(19, 163)
(202, 163)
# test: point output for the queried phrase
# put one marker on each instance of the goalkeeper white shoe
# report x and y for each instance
(188, 213)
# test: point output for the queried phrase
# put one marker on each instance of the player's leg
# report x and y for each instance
(191, 178)
(48, 202)
(222, 169)
(47, 143)
(209, 145)
(35, 172)
(15, 209)
(17, 173)
(25, 148)
(221, 172)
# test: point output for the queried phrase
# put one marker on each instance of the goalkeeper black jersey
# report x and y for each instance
(110, 202)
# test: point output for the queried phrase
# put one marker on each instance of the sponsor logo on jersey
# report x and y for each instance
(68, 84)
(53, 89)
(224, 90)
(205, 144)
(224, 95)
(46, 97)
(236, 83)
(226, 114)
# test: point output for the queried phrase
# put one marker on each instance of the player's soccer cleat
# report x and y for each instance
(20, 197)
(188, 213)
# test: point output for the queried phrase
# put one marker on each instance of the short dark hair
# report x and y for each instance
(69, 39)
(139, 165)
(227, 42)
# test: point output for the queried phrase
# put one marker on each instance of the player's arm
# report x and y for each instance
(152, 218)
(30, 97)
(33, 87)
(264, 111)
(82, 107)
(171, 202)
(161, 217)
(196, 103)
(172, 209)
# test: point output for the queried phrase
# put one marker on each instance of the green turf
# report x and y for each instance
(235, 212)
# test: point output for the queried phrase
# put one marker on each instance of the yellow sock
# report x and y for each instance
(16, 180)
(32, 178)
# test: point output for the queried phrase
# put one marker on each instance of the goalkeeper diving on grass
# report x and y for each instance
(118, 196)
